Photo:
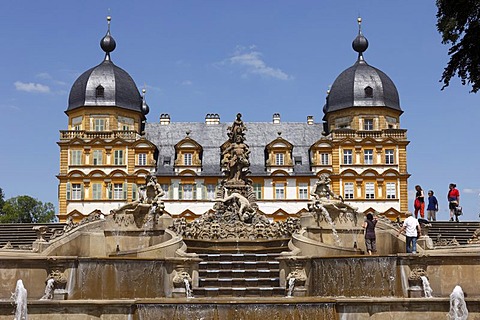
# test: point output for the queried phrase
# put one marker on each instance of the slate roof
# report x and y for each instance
(212, 136)
(119, 88)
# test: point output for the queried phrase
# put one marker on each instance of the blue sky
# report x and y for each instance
(254, 57)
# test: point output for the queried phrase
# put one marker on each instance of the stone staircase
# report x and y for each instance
(22, 235)
(238, 268)
(447, 230)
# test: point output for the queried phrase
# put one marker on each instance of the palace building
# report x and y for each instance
(109, 148)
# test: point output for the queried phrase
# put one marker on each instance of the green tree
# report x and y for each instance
(2, 200)
(25, 209)
(458, 21)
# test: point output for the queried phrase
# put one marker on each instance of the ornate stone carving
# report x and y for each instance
(144, 210)
(328, 205)
(475, 239)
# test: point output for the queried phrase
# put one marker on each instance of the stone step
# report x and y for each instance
(239, 282)
(238, 256)
(239, 292)
(239, 273)
(447, 230)
(23, 234)
(238, 265)
(237, 246)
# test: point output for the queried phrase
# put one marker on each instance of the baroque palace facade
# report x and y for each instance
(109, 148)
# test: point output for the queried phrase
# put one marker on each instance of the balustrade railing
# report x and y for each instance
(376, 134)
(106, 135)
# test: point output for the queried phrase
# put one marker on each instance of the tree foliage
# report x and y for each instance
(2, 200)
(25, 209)
(458, 21)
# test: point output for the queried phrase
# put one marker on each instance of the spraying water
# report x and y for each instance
(49, 290)
(188, 289)
(338, 242)
(291, 286)
(458, 307)
(426, 287)
(20, 298)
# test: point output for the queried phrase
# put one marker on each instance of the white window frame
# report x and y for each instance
(142, 159)
(369, 190)
(188, 191)
(188, 159)
(389, 156)
(210, 191)
(324, 159)
(303, 190)
(368, 156)
(76, 157)
(279, 190)
(348, 190)
(368, 124)
(118, 157)
(391, 190)
(347, 156)
(99, 124)
(279, 159)
(166, 189)
(118, 191)
(76, 191)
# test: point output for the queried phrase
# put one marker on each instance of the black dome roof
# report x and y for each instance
(350, 89)
(106, 84)
(362, 85)
(119, 89)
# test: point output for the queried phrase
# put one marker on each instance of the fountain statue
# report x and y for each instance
(235, 213)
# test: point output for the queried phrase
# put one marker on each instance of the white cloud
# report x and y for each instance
(472, 191)
(253, 62)
(186, 83)
(31, 87)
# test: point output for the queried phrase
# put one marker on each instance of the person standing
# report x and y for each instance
(419, 203)
(453, 197)
(432, 207)
(370, 238)
(412, 230)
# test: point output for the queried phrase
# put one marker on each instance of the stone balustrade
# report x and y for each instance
(106, 135)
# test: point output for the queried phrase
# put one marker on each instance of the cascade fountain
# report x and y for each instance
(140, 263)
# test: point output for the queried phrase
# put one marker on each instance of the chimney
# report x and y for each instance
(309, 120)
(276, 118)
(212, 118)
(164, 119)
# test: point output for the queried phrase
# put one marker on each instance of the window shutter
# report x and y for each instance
(109, 191)
(180, 192)
(194, 187)
(170, 191)
(134, 191)
(204, 191)
(68, 191)
(125, 191)
(82, 192)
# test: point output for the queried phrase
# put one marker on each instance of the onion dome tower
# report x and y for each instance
(106, 84)
(104, 155)
(360, 87)
(362, 120)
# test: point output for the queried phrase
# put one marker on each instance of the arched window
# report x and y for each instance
(368, 92)
(100, 92)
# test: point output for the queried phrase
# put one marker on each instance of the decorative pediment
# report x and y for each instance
(390, 173)
(76, 174)
(188, 153)
(369, 173)
(96, 174)
(279, 153)
(189, 215)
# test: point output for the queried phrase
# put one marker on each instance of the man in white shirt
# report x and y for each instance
(412, 230)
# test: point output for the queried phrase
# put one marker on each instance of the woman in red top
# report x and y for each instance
(453, 200)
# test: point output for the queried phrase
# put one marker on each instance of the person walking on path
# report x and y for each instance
(432, 207)
(412, 230)
(453, 197)
(419, 203)
(370, 238)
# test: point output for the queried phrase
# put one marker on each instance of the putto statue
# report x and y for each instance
(325, 201)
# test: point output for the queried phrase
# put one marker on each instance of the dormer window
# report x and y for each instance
(100, 92)
(188, 157)
(368, 92)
